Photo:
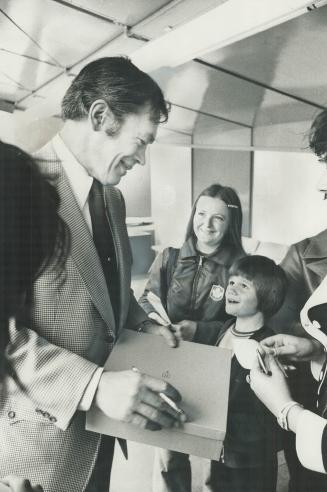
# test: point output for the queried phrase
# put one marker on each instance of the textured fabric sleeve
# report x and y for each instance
(207, 332)
(54, 378)
(136, 314)
(311, 441)
(287, 320)
(154, 282)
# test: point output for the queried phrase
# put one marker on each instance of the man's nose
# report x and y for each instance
(322, 183)
(140, 156)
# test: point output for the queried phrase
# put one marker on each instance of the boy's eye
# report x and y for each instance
(244, 286)
(231, 282)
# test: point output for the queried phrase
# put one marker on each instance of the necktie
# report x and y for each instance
(104, 244)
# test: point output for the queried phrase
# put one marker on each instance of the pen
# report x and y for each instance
(171, 403)
(262, 363)
(281, 367)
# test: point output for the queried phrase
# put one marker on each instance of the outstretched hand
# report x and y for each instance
(272, 389)
(292, 348)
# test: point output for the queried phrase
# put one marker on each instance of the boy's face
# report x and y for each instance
(241, 297)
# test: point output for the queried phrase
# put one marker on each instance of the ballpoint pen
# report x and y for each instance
(171, 403)
(262, 363)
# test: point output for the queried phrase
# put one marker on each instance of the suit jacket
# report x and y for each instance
(305, 266)
(65, 332)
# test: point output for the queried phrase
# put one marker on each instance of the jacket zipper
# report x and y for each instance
(195, 282)
(222, 455)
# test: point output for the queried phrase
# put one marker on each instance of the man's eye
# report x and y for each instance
(141, 141)
(244, 286)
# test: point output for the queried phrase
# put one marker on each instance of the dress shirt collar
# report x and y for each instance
(79, 180)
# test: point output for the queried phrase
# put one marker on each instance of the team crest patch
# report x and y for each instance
(217, 292)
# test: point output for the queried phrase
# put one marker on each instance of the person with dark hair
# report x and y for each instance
(248, 462)
(306, 267)
(68, 326)
(33, 238)
(190, 284)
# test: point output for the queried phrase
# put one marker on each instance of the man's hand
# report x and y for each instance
(185, 330)
(12, 483)
(133, 397)
(272, 390)
(161, 328)
(292, 348)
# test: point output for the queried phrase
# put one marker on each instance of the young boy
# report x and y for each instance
(248, 463)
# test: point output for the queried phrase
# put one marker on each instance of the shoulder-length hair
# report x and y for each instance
(233, 237)
(32, 234)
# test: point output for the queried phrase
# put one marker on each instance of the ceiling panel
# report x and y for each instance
(209, 91)
(65, 35)
(290, 57)
(128, 12)
(25, 74)
(176, 14)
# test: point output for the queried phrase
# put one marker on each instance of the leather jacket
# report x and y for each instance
(196, 291)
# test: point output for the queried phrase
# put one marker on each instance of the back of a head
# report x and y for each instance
(318, 135)
(32, 233)
(124, 87)
(268, 278)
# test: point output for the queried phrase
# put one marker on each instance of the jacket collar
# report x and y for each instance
(315, 254)
(223, 255)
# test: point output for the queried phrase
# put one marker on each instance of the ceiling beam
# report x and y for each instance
(258, 83)
(211, 115)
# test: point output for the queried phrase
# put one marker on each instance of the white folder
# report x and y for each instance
(201, 374)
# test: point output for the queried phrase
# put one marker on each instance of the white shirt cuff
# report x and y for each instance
(87, 398)
(309, 430)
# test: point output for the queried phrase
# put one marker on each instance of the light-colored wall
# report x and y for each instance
(170, 192)
(286, 204)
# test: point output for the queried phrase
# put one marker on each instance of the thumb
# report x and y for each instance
(170, 338)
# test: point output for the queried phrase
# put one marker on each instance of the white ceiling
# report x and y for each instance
(273, 77)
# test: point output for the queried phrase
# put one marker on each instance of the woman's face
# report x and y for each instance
(210, 223)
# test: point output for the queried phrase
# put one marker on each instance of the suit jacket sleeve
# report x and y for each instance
(287, 320)
(53, 378)
(154, 283)
(312, 429)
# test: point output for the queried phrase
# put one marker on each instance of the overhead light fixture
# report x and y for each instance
(226, 24)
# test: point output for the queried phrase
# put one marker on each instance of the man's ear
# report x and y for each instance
(100, 116)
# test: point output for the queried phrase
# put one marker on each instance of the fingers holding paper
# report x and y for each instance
(271, 389)
(131, 396)
(292, 347)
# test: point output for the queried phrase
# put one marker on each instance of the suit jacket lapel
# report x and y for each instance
(83, 251)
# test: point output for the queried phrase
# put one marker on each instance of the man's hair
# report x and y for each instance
(318, 135)
(33, 236)
(124, 87)
(233, 235)
(269, 280)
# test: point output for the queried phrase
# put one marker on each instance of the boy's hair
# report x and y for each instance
(268, 278)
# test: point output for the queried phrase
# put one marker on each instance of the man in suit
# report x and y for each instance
(70, 322)
(305, 266)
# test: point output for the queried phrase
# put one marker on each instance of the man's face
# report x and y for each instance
(110, 157)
